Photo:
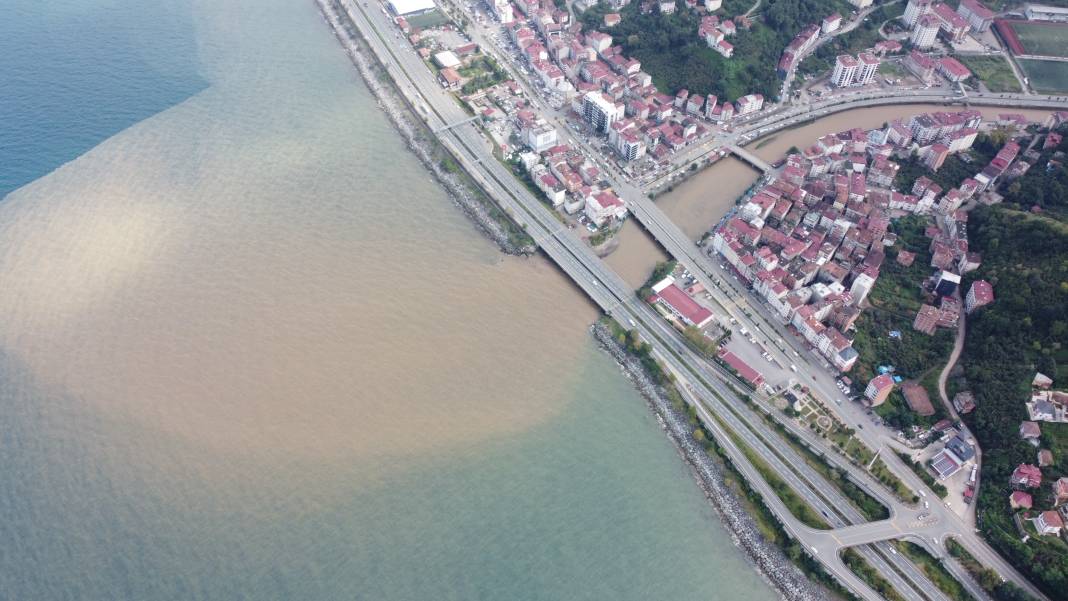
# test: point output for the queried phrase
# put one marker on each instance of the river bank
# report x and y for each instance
(483, 211)
(768, 559)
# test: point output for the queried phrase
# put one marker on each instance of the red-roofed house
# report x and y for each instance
(1048, 522)
(1026, 476)
(1060, 491)
(979, 295)
(1020, 500)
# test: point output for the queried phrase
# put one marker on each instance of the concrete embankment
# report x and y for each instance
(493, 222)
(768, 558)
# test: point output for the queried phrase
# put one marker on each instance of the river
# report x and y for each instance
(250, 350)
(697, 204)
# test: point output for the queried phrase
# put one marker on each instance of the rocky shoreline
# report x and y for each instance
(415, 134)
(770, 561)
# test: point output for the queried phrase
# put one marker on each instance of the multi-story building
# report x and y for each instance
(954, 27)
(925, 32)
(600, 111)
(861, 287)
(845, 70)
(979, 295)
(947, 283)
(927, 319)
(934, 155)
(602, 206)
(952, 69)
(539, 137)
(503, 10)
(978, 16)
(921, 65)
(867, 67)
(750, 103)
(879, 389)
(962, 139)
(916, 9)
(625, 137)
(1038, 12)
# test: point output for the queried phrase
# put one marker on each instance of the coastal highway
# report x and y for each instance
(573, 256)
(558, 243)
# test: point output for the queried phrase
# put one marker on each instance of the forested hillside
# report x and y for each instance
(1025, 257)
(671, 51)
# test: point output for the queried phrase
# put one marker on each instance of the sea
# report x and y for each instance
(249, 349)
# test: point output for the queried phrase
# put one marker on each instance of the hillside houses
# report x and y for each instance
(610, 90)
(811, 242)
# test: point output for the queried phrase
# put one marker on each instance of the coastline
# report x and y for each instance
(767, 558)
(483, 211)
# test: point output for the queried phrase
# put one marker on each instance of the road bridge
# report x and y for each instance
(601, 284)
(750, 158)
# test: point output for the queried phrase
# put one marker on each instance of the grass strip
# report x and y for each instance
(935, 571)
(870, 575)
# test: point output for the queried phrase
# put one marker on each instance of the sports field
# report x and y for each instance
(1047, 77)
(1043, 39)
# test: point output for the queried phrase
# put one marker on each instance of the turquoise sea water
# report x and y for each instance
(75, 73)
(249, 350)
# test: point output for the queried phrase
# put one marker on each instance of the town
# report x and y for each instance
(583, 128)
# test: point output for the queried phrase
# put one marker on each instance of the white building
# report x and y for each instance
(925, 32)
(845, 69)
(603, 206)
(713, 5)
(1038, 12)
(914, 10)
(979, 17)
(600, 111)
(861, 287)
(750, 103)
(867, 67)
(540, 137)
(504, 11)
(831, 23)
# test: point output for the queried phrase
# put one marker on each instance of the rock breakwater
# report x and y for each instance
(486, 215)
(769, 559)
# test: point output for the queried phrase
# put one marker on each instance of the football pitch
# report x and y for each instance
(1047, 77)
(1043, 39)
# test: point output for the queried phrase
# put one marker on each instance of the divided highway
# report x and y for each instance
(705, 386)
